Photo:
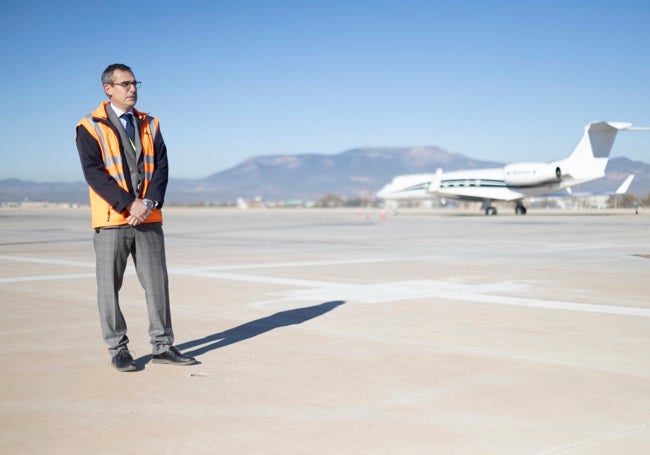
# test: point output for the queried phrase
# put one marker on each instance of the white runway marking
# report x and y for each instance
(427, 289)
(250, 278)
(32, 278)
(359, 293)
(299, 264)
(48, 261)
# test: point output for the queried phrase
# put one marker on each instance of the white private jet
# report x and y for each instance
(516, 181)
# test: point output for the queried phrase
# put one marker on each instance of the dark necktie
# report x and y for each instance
(130, 129)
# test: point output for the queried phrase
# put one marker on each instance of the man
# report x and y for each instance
(124, 161)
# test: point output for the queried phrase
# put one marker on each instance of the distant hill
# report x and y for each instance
(14, 190)
(353, 173)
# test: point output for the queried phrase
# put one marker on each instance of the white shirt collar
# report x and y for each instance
(119, 111)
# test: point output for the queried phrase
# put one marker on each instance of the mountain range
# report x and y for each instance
(356, 173)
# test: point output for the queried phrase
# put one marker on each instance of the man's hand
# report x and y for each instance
(138, 212)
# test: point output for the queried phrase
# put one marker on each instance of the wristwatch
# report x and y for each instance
(150, 204)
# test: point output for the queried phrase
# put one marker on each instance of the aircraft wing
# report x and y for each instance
(625, 185)
(622, 189)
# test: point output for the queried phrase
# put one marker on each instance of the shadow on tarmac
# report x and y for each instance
(257, 327)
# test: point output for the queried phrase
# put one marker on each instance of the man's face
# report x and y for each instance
(122, 97)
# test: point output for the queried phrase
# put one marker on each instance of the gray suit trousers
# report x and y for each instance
(146, 244)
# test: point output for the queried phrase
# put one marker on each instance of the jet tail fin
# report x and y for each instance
(589, 157)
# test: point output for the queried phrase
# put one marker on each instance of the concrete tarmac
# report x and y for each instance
(337, 332)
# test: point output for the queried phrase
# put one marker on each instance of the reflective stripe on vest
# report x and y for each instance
(112, 161)
(98, 126)
(149, 130)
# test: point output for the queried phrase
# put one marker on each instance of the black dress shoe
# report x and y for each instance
(122, 361)
(173, 357)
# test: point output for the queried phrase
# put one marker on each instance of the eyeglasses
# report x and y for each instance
(126, 84)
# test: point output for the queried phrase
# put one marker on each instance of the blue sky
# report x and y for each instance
(232, 79)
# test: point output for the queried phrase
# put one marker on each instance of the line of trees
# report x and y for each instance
(628, 200)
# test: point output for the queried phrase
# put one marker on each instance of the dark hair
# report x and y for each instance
(107, 75)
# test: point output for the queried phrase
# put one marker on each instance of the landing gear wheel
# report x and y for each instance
(490, 211)
(520, 210)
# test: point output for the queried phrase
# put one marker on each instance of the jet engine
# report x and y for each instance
(526, 174)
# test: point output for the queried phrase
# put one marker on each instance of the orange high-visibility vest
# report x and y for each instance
(99, 126)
